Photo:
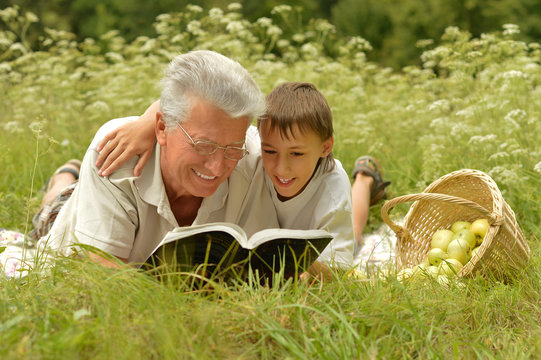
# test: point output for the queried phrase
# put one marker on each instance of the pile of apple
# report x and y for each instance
(450, 250)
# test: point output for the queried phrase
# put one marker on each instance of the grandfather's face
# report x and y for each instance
(186, 172)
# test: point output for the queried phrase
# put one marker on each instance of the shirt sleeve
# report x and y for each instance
(106, 214)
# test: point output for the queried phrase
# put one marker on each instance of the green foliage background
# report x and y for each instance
(392, 27)
(472, 102)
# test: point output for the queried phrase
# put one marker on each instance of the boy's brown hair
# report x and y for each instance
(303, 105)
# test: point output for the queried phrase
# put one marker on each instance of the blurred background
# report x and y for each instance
(392, 27)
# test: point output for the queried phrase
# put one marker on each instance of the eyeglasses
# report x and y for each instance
(205, 147)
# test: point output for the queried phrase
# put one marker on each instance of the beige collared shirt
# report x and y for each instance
(128, 216)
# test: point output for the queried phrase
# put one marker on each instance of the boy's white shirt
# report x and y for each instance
(325, 203)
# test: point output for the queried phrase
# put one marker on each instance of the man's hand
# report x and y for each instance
(110, 263)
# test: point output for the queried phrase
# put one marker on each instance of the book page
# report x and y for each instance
(269, 234)
(186, 231)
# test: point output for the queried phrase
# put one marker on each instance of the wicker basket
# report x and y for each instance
(461, 195)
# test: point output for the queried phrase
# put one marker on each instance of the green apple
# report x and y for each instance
(479, 228)
(443, 280)
(459, 225)
(404, 274)
(441, 239)
(459, 249)
(467, 235)
(436, 255)
(432, 271)
(450, 267)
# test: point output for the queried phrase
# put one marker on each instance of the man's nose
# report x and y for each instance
(217, 162)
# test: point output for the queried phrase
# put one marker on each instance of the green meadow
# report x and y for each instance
(471, 103)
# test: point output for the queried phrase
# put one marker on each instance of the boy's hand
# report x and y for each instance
(123, 143)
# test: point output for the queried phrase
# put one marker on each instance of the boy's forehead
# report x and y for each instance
(286, 133)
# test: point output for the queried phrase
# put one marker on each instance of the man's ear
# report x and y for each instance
(161, 129)
(327, 146)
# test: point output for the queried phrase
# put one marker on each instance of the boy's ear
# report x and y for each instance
(160, 129)
(327, 146)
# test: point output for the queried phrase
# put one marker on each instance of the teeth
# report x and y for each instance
(285, 181)
(206, 177)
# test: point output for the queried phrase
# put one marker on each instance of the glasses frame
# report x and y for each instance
(216, 146)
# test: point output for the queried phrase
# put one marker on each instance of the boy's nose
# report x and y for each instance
(283, 165)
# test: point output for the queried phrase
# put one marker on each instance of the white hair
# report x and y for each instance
(211, 77)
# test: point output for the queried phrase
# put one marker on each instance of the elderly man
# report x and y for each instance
(207, 104)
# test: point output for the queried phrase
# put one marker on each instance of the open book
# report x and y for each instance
(222, 248)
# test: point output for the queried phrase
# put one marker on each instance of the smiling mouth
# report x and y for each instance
(284, 181)
(202, 176)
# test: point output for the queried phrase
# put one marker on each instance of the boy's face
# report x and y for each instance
(290, 163)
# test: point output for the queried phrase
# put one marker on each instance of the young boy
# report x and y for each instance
(308, 188)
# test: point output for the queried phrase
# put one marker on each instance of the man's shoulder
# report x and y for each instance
(108, 127)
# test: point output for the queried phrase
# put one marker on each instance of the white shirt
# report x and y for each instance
(325, 203)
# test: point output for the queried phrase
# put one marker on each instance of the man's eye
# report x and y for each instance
(295, 153)
(269, 152)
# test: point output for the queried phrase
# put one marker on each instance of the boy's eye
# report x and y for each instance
(266, 151)
(296, 153)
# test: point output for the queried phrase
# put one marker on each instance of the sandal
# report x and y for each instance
(74, 162)
(369, 166)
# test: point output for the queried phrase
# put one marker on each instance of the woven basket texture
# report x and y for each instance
(461, 195)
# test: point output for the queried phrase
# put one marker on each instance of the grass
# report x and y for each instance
(474, 104)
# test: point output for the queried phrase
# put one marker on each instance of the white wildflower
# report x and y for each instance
(498, 156)
(216, 13)
(114, 57)
(235, 6)
(4, 68)
(537, 167)
(359, 43)
(281, 9)
(511, 29)
(98, 107)
(36, 126)
(264, 22)
(298, 38)
(274, 31)
(194, 8)
(442, 105)
(194, 27)
(309, 50)
(482, 140)
(234, 27)
(503, 175)
(65, 142)
(13, 127)
(459, 129)
(467, 113)
(516, 114)
(163, 17)
(511, 74)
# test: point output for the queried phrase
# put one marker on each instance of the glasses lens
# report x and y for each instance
(204, 148)
(234, 153)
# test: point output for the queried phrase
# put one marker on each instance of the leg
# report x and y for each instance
(360, 193)
(66, 175)
(368, 188)
(59, 188)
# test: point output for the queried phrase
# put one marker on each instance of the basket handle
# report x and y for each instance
(494, 218)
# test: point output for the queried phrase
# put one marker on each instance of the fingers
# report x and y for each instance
(113, 161)
(110, 136)
(143, 158)
(105, 149)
